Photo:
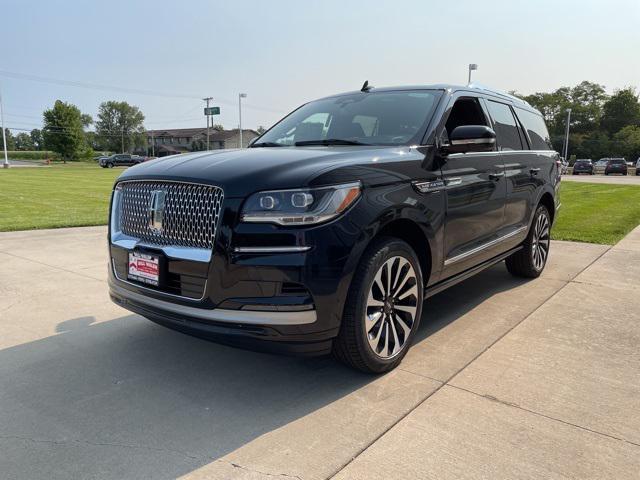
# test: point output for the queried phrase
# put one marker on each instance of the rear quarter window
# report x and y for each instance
(536, 129)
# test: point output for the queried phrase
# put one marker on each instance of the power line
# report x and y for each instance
(138, 91)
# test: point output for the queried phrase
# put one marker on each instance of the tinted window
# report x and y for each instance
(536, 128)
(377, 118)
(505, 126)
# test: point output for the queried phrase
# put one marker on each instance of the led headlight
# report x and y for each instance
(302, 206)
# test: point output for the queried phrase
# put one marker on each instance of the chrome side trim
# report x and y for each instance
(137, 285)
(474, 141)
(271, 249)
(484, 246)
(250, 317)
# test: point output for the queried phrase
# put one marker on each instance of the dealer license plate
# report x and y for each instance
(144, 268)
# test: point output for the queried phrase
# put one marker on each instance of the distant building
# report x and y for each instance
(182, 140)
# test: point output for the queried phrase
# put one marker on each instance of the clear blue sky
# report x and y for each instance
(282, 52)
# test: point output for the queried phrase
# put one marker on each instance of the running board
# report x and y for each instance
(449, 282)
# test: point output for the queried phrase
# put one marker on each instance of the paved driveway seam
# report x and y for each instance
(51, 266)
(446, 382)
(515, 405)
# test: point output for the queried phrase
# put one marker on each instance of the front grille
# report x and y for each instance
(190, 216)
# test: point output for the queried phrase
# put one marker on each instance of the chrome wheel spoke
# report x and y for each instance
(391, 308)
(540, 242)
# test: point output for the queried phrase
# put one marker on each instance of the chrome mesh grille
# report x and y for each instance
(190, 217)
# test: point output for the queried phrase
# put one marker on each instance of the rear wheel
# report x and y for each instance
(383, 308)
(529, 262)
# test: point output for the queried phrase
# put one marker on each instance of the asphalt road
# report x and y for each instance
(508, 379)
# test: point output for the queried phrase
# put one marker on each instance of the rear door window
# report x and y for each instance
(536, 129)
(505, 126)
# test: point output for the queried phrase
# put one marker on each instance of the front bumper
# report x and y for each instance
(289, 302)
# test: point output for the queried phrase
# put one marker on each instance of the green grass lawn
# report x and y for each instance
(597, 213)
(63, 195)
(78, 194)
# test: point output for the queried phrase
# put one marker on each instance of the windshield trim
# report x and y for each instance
(417, 139)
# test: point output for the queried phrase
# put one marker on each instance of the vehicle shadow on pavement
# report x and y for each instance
(127, 398)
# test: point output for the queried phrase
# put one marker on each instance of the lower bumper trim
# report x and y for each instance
(249, 317)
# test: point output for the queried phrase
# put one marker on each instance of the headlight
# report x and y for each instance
(303, 206)
(115, 209)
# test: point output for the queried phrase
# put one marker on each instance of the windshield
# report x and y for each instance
(376, 118)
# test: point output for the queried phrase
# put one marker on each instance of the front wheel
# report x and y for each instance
(109, 165)
(383, 308)
(529, 262)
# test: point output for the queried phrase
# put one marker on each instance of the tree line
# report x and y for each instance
(602, 125)
(118, 127)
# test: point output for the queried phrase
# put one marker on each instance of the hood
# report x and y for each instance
(240, 172)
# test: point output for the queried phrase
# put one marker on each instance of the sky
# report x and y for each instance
(164, 57)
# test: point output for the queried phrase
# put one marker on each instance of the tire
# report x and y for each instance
(375, 335)
(109, 165)
(529, 262)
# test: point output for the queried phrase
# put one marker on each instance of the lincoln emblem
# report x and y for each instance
(156, 210)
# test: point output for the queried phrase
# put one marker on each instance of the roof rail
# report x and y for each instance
(479, 86)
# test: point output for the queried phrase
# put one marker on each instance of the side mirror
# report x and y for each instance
(471, 138)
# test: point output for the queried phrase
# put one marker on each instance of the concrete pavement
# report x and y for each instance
(508, 379)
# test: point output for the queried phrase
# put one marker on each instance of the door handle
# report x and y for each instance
(534, 171)
(496, 176)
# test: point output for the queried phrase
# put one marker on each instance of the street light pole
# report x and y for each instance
(4, 135)
(208, 99)
(472, 66)
(240, 97)
(565, 152)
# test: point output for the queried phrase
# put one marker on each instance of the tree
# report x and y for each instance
(261, 130)
(36, 139)
(120, 127)
(585, 100)
(23, 141)
(622, 109)
(218, 126)
(627, 142)
(11, 144)
(63, 131)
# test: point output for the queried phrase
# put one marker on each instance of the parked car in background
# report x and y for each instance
(583, 166)
(616, 165)
(121, 159)
(327, 234)
(638, 167)
(600, 165)
(99, 158)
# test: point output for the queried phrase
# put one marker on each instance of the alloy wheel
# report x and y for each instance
(391, 308)
(540, 244)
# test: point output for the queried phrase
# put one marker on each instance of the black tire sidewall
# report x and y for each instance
(373, 259)
(541, 210)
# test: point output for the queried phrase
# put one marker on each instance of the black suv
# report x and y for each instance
(583, 166)
(329, 232)
(120, 159)
(616, 165)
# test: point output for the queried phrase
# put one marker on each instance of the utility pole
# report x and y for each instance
(565, 152)
(472, 66)
(208, 99)
(4, 135)
(240, 97)
(153, 145)
(122, 139)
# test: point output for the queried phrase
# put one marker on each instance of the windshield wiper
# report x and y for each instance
(329, 141)
(267, 144)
